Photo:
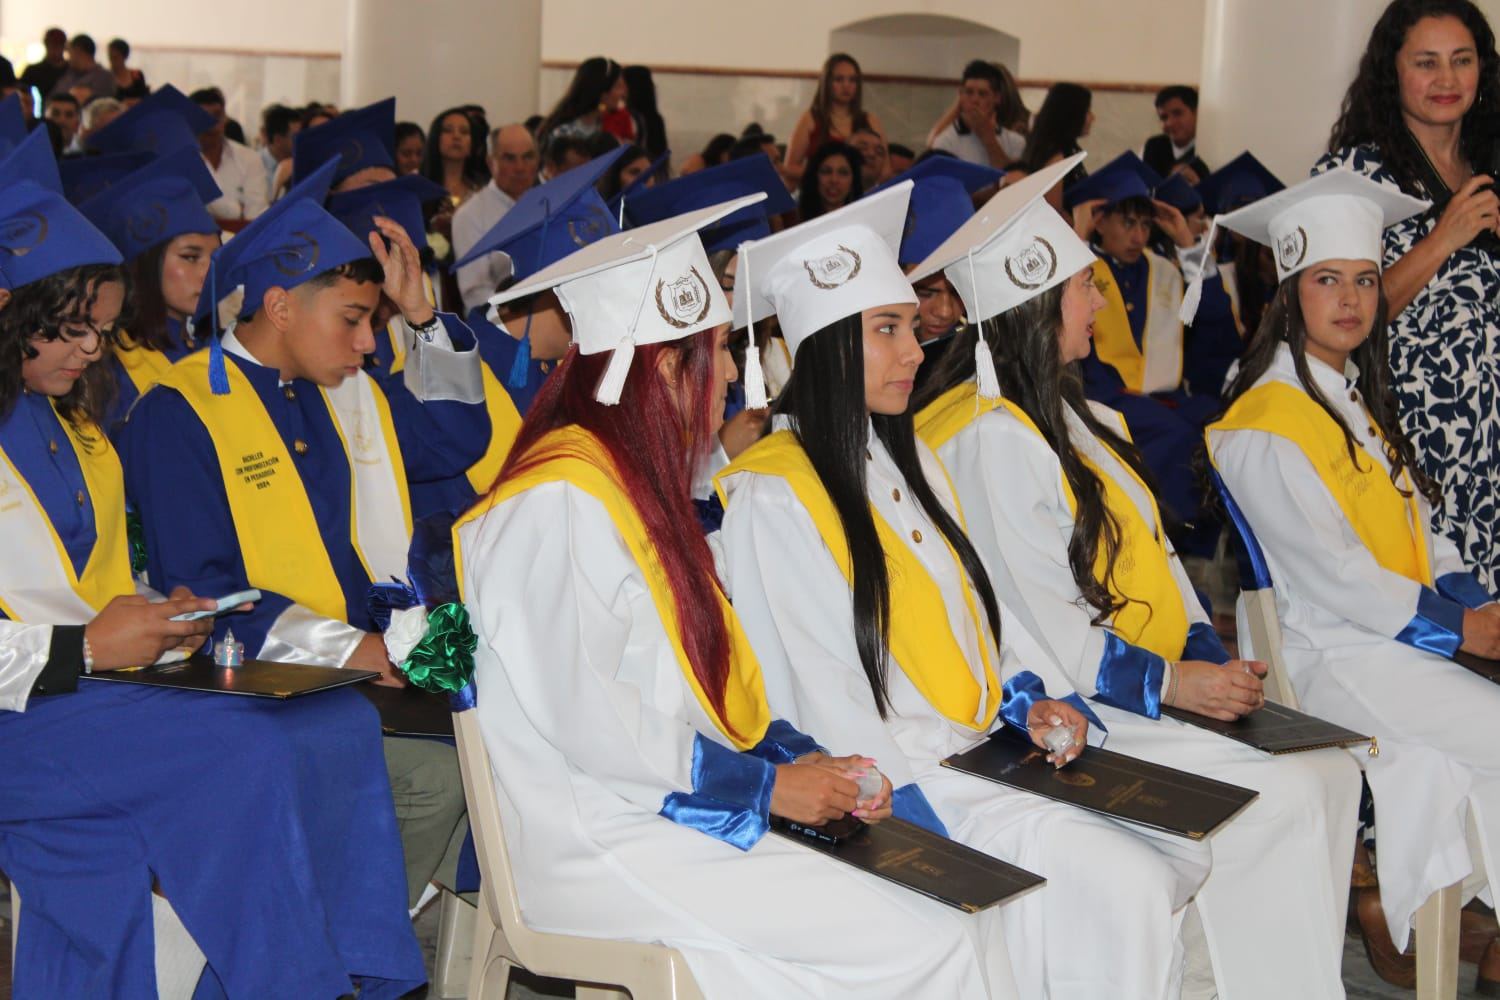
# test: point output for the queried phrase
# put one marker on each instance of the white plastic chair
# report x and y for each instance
(603, 969)
(1437, 920)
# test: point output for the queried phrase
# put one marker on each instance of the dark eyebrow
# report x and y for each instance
(886, 315)
(1433, 52)
(357, 307)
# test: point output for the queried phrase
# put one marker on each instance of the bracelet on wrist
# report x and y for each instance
(88, 656)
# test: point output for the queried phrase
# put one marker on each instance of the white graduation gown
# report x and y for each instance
(1340, 612)
(1294, 844)
(590, 725)
(1107, 922)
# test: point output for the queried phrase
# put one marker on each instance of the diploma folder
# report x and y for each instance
(1488, 669)
(923, 862)
(410, 711)
(1109, 783)
(256, 678)
(1275, 729)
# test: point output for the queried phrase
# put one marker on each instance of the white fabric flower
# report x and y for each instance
(407, 628)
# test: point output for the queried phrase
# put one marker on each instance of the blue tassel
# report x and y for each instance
(218, 377)
(520, 366)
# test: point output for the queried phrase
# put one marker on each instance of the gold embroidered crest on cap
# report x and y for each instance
(588, 229)
(685, 301)
(836, 269)
(297, 260)
(1033, 265)
(146, 222)
(1291, 249)
(24, 233)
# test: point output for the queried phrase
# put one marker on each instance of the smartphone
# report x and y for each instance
(225, 604)
(833, 832)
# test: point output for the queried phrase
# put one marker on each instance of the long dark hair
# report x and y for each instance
(654, 445)
(1032, 374)
(808, 200)
(641, 99)
(1058, 125)
(826, 403)
(476, 171)
(148, 313)
(610, 184)
(591, 81)
(1283, 323)
(1371, 112)
(41, 309)
(822, 102)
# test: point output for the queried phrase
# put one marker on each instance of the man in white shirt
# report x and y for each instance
(978, 134)
(236, 168)
(513, 164)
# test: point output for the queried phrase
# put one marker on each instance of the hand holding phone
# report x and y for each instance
(225, 604)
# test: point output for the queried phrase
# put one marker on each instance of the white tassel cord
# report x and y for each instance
(755, 377)
(613, 382)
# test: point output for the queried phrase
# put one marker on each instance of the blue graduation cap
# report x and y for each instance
(85, 176)
(290, 243)
(551, 220)
(12, 124)
(1126, 176)
(641, 183)
(1240, 181)
(40, 233)
(1179, 194)
(162, 122)
(362, 138)
(400, 199)
(942, 199)
(163, 199)
(725, 182)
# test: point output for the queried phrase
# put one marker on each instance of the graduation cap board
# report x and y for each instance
(400, 200)
(942, 199)
(1179, 194)
(1240, 181)
(164, 121)
(40, 233)
(648, 285)
(363, 138)
(1338, 215)
(292, 242)
(85, 176)
(1013, 249)
(1126, 176)
(713, 186)
(157, 202)
(551, 221)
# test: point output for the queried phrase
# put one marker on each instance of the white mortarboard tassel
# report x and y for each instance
(984, 360)
(613, 382)
(1337, 215)
(756, 397)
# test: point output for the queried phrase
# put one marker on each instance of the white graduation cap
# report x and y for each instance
(1338, 215)
(1013, 249)
(647, 285)
(821, 271)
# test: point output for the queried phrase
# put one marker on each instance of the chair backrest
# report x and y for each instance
(497, 889)
(1257, 600)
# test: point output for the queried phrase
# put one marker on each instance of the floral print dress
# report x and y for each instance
(1445, 364)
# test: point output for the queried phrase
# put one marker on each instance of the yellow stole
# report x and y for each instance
(143, 365)
(105, 576)
(921, 641)
(1157, 364)
(278, 534)
(1153, 616)
(1389, 524)
(505, 420)
(575, 456)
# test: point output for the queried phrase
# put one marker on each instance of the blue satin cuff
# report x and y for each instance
(1437, 627)
(1130, 677)
(459, 334)
(1203, 643)
(731, 796)
(1465, 589)
(783, 744)
(908, 803)
(1025, 689)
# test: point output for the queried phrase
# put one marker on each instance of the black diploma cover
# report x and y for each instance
(1109, 783)
(410, 711)
(1275, 729)
(923, 862)
(1488, 669)
(257, 678)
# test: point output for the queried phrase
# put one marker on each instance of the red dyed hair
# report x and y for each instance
(655, 443)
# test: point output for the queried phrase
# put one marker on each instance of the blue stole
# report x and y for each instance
(36, 443)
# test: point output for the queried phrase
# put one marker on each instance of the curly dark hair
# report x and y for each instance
(808, 199)
(1283, 323)
(42, 310)
(1371, 111)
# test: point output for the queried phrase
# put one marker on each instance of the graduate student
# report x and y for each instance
(157, 217)
(291, 465)
(636, 760)
(1056, 502)
(1373, 604)
(235, 810)
(876, 624)
(1136, 364)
